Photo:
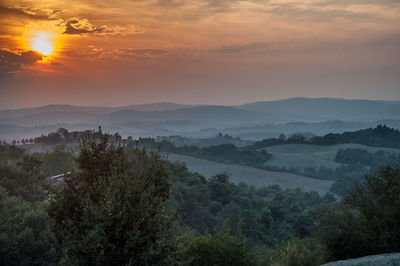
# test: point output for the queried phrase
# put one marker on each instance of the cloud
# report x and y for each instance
(25, 12)
(144, 51)
(81, 26)
(11, 62)
(318, 14)
(240, 48)
(123, 30)
(391, 3)
(76, 26)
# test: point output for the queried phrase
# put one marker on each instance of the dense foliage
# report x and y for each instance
(63, 136)
(57, 162)
(361, 156)
(262, 214)
(25, 237)
(219, 249)
(367, 220)
(111, 211)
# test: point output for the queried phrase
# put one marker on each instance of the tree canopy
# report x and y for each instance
(111, 211)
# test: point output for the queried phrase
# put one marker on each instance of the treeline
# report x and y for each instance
(60, 136)
(225, 153)
(381, 136)
(218, 139)
(63, 136)
(364, 157)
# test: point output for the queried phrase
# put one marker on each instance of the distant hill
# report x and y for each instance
(323, 109)
(99, 110)
(12, 114)
(54, 117)
(272, 130)
(221, 114)
(253, 121)
(13, 132)
(161, 106)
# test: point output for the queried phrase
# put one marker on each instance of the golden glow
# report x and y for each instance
(42, 43)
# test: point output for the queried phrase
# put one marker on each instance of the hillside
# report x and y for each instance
(253, 176)
(322, 109)
(380, 136)
(252, 121)
(307, 155)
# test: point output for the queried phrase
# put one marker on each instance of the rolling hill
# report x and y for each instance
(252, 176)
(323, 109)
(254, 121)
(307, 155)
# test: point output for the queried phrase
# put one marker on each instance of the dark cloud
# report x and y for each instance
(11, 62)
(82, 26)
(25, 12)
(240, 48)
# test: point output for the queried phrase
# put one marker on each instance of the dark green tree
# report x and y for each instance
(367, 221)
(219, 249)
(111, 211)
(57, 162)
(25, 237)
(24, 179)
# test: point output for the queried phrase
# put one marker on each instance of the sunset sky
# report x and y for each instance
(98, 52)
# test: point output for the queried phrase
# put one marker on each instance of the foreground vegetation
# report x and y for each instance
(126, 206)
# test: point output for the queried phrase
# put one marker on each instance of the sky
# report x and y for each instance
(120, 52)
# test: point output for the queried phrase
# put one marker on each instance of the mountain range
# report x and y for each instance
(252, 120)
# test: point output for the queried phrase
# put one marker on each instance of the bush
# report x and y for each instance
(220, 249)
(297, 252)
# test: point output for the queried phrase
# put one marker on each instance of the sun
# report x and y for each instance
(42, 43)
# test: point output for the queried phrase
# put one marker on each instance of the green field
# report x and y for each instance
(252, 176)
(306, 155)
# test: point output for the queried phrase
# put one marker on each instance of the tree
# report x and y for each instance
(57, 162)
(367, 221)
(31, 165)
(220, 249)
(24, 180)
(111, 211)
(25, 237)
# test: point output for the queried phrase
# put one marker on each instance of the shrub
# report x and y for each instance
(297, 252)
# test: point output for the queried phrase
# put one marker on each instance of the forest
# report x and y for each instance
(121, 204)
